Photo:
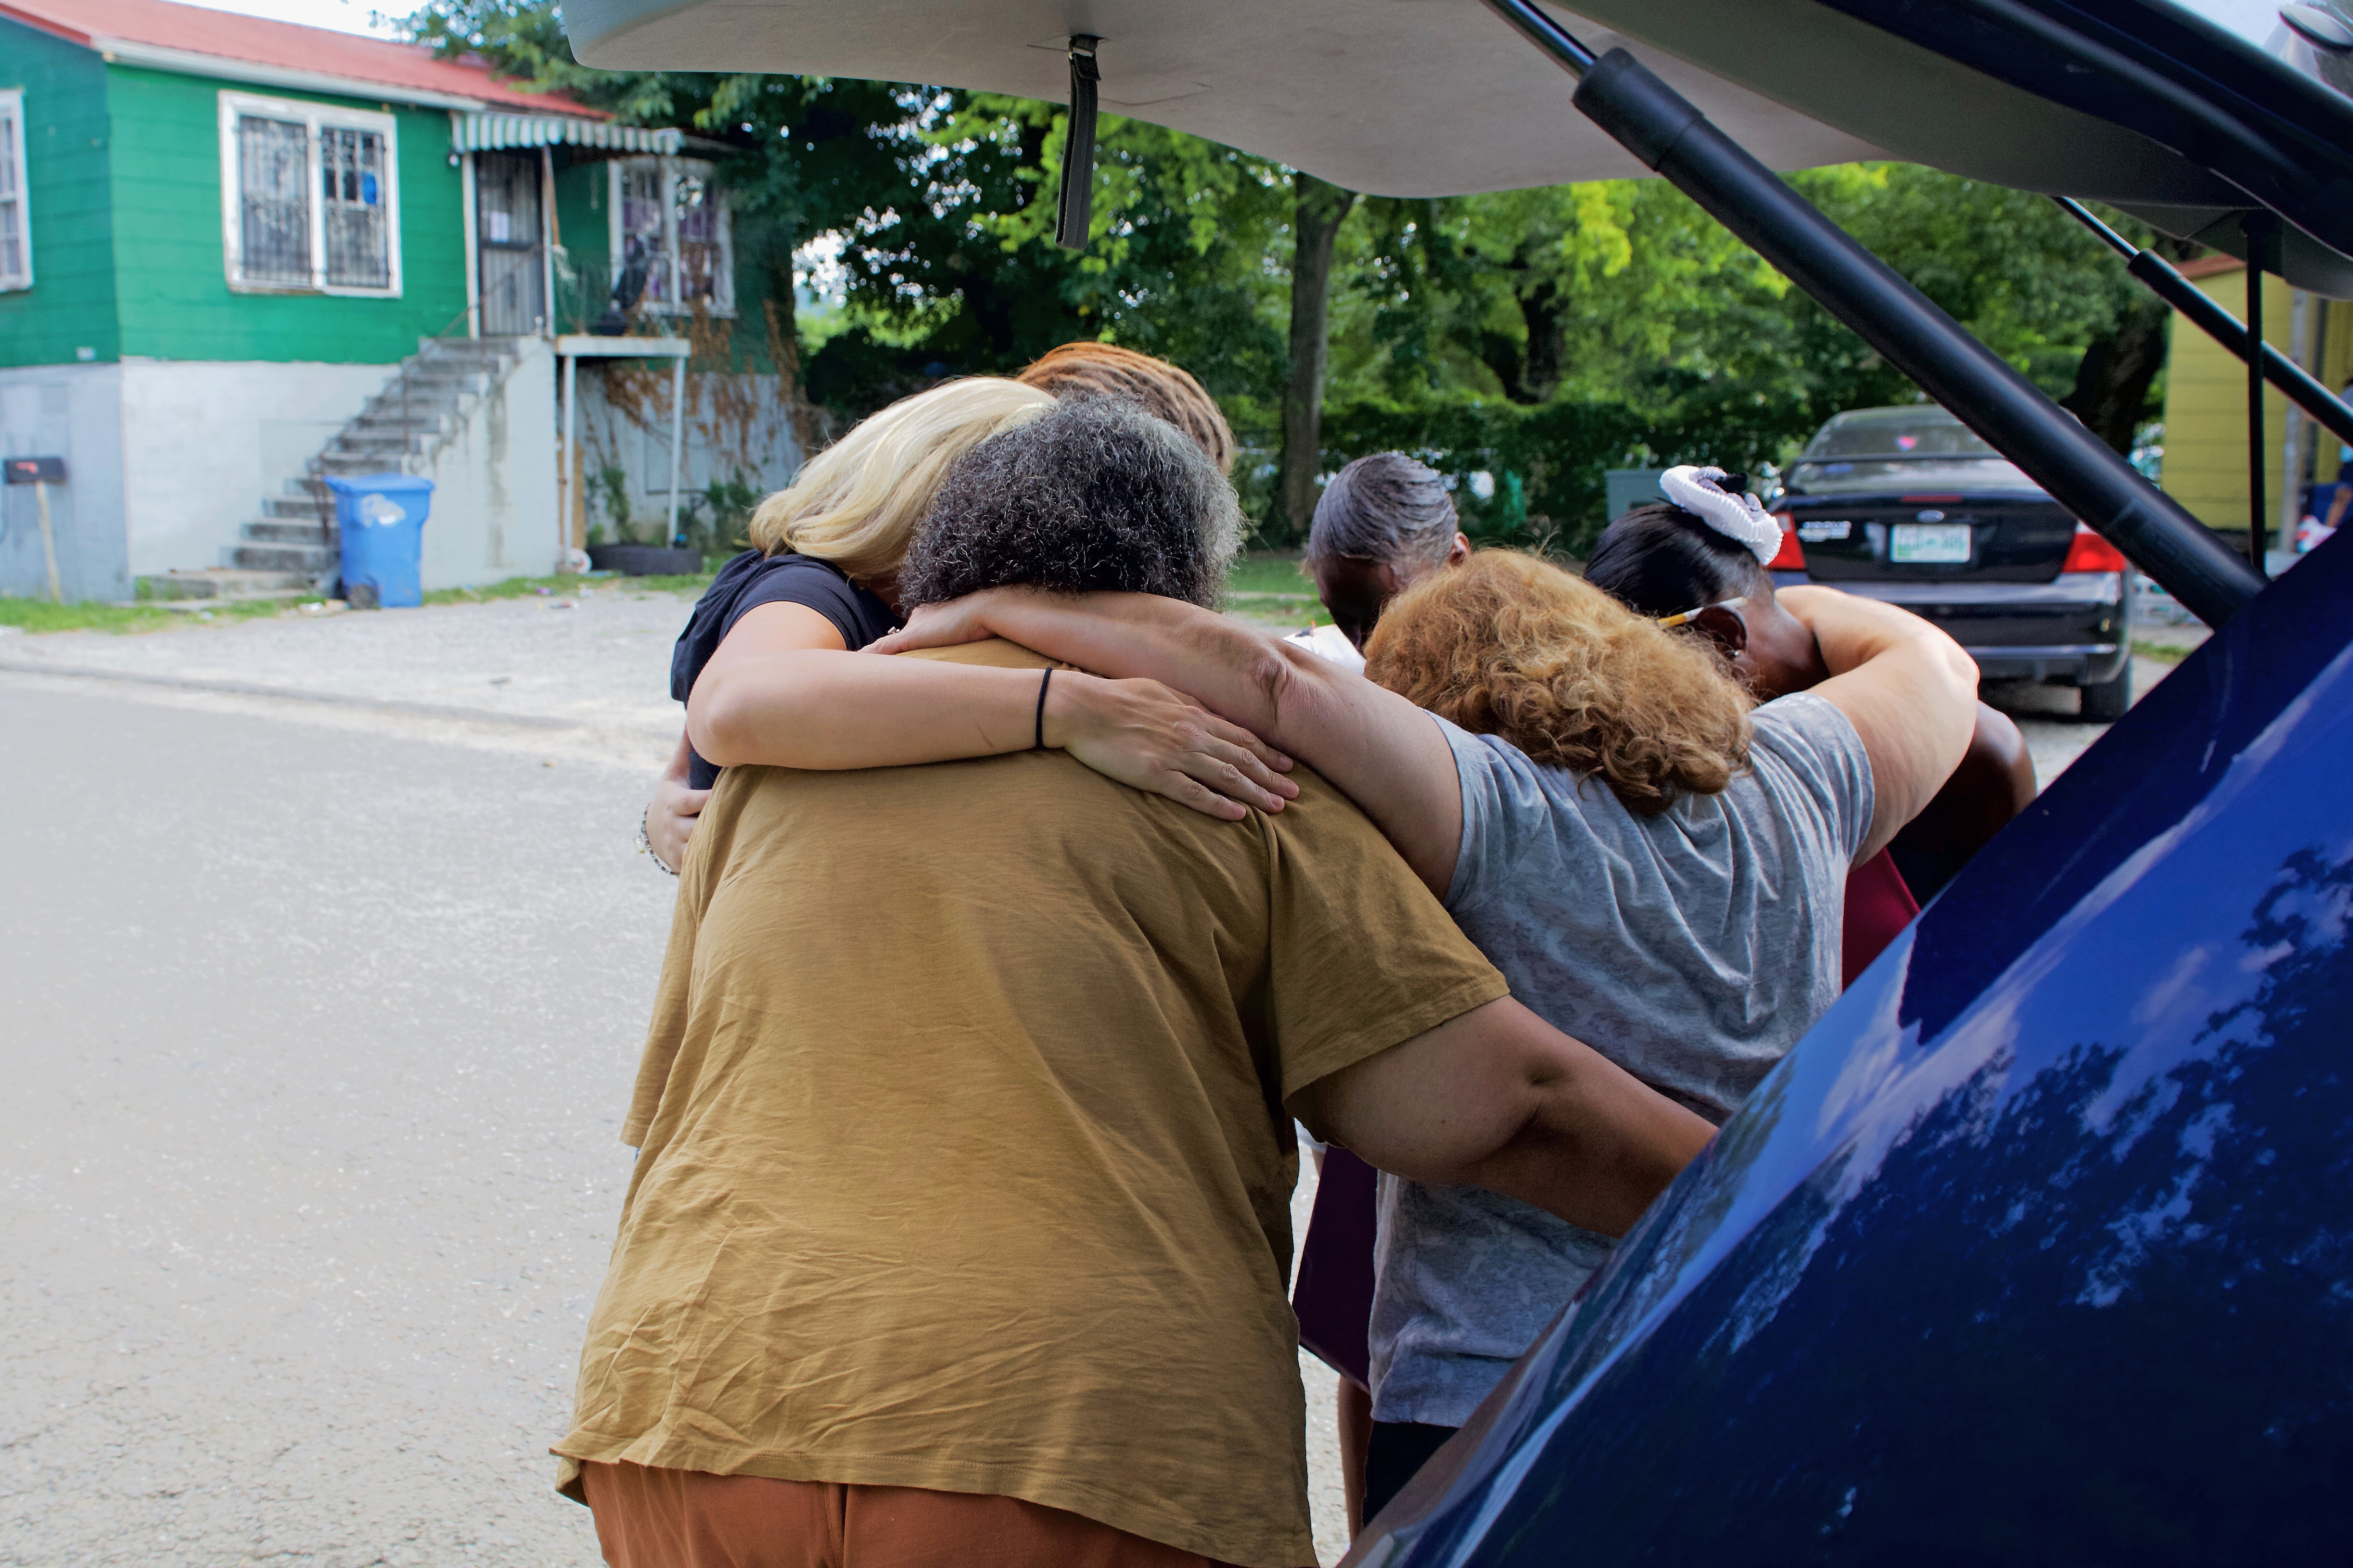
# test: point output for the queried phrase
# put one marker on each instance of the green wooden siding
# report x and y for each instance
(70, 305)
(172, 275)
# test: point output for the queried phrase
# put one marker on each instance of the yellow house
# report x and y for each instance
(2206, 403)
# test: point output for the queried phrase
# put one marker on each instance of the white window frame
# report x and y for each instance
(722, 282)
(12, 111)
(315, 117)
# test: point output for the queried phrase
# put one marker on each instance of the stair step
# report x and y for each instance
(307, 559)
(289, 530)
(391, 422)
(420, 410)
(464, 378)
(298, 504)
(227, 583)
(341, 463)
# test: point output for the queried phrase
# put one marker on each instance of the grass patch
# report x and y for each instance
(2164, 653)
(42, 616)
(1270, 575)
(566, 587)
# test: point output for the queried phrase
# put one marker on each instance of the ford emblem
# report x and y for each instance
(1932, 517)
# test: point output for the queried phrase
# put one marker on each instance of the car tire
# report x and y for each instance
(2106, 703)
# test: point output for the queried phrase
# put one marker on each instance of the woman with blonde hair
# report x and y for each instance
(821, 581)
(854, 506)
(1654, 865)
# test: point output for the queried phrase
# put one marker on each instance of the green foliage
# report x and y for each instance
(610, 493)
(1538, 336)
(717, 519)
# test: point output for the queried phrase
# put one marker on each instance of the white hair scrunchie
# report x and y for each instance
(1740, 518)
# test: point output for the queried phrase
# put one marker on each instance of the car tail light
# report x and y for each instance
(1791, 557)
(2090, 553)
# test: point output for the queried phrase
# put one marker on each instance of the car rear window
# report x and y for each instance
(1892, 438)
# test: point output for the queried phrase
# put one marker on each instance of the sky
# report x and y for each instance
(343, 15)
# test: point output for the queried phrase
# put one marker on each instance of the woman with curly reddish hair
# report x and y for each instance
(1654, 865)
(1513, 646)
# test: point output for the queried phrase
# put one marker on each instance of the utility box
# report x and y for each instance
(1630, 488)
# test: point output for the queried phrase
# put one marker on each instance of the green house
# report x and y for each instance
(238, 255)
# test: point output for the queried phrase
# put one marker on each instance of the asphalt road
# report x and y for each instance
(317, 1042)
(319, 1024)
(319, 1016)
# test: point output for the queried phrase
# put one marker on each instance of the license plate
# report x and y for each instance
(1928, 544)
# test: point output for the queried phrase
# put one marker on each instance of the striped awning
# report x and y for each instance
(490, 132)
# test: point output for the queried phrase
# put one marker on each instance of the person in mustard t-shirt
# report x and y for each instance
(959, 1230)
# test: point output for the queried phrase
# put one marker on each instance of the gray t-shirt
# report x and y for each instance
(1693, 948)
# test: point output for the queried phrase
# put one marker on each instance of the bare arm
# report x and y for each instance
(1385, 753)
(671, 814)
(1994, 783)
(780, 690)
(1499, 1099)
(1908, 688)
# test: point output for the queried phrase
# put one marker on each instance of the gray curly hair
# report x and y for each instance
(1093, 496)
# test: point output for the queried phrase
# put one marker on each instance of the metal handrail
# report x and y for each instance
(320, 491)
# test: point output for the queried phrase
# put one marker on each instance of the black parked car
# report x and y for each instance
(1909, 506)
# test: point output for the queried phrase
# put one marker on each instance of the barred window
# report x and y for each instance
(311, 196)
(351, 161)
(15, 226)
(272, 156)
(671, 220)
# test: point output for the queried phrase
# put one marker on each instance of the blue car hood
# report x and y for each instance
(2039, 1247)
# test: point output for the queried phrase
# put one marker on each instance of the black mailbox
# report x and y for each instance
(36, 470)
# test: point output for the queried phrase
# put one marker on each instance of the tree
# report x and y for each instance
(1318, 209)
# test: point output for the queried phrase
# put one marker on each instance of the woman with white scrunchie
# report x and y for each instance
(1701, 563)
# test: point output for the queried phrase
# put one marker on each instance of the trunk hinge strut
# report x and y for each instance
(1658, 125)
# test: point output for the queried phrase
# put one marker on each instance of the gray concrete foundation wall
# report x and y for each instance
(74, 412)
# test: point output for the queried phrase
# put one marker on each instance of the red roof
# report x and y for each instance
(284, 46)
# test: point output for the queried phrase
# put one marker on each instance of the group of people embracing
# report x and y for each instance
(1028, 907)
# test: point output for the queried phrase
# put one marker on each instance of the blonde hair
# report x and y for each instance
(1509, 645)
(857, 502)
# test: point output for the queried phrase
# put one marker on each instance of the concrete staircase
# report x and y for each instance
(292, 550)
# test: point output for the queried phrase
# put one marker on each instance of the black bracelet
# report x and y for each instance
(1040, 743)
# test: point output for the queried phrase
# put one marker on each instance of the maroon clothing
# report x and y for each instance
(1878, 907)
(1333, 1296)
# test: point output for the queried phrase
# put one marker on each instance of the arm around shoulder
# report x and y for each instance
(1908, 688)
(1499, 1099)
(1383, 752)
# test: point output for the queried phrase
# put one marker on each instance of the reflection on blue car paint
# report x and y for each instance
(2039, 1248)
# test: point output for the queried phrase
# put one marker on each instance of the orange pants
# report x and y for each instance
(688, 1519)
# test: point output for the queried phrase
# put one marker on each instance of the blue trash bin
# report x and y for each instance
(382, 520)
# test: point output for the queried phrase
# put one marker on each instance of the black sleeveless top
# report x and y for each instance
(752, 580)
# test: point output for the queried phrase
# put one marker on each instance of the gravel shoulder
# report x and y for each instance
(586, 674)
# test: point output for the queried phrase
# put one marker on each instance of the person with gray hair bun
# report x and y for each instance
(1383, 522)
